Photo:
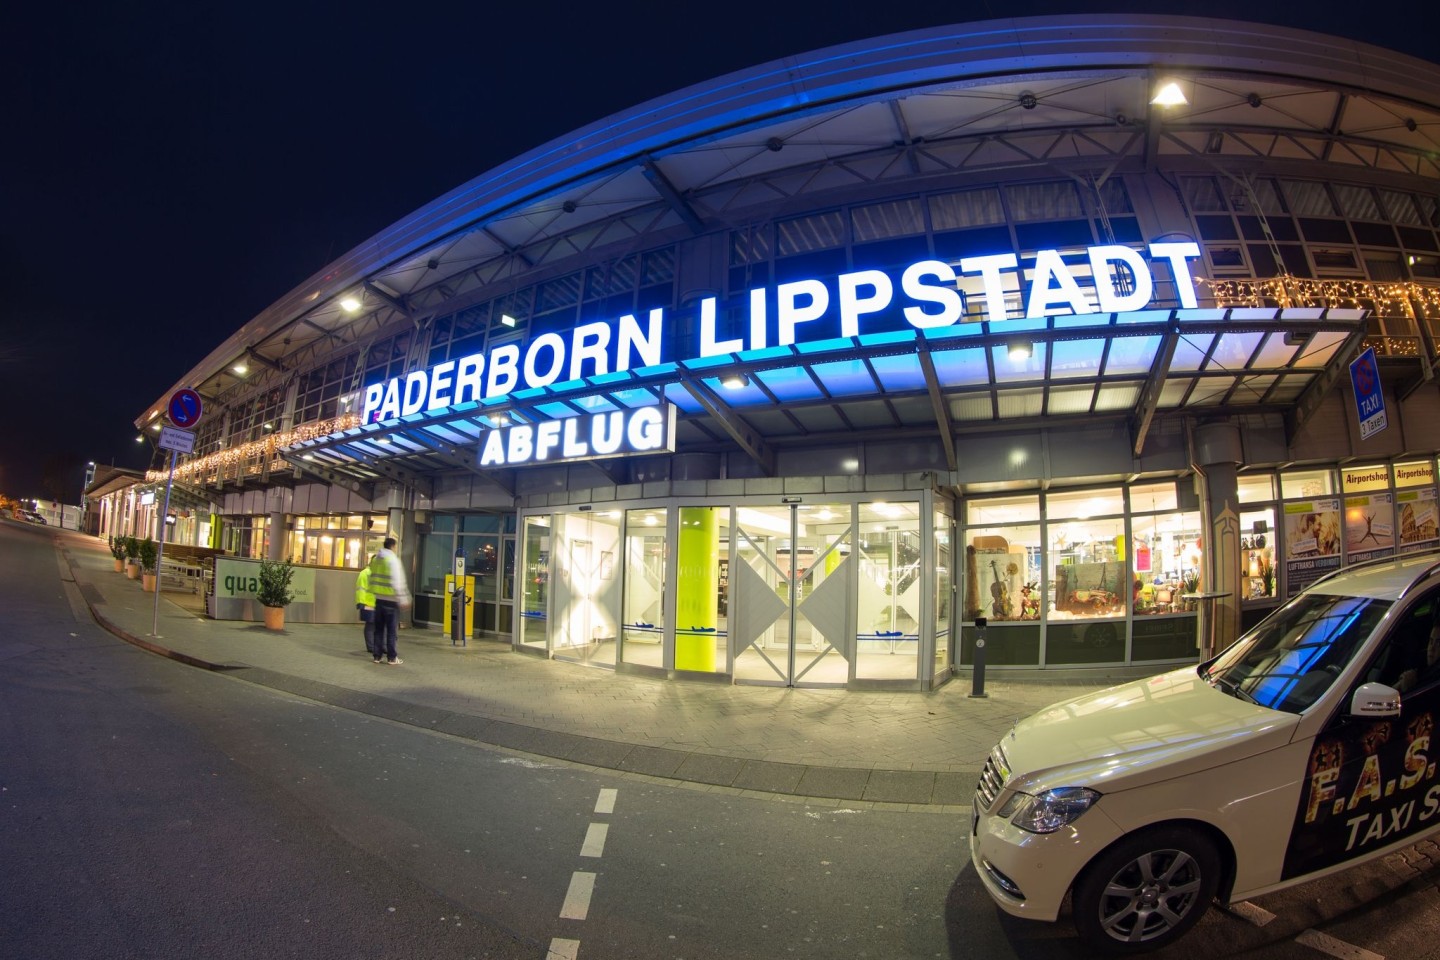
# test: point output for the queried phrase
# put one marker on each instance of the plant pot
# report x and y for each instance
(274, 618)
(119, 565)
(147, 580)
(132, 570)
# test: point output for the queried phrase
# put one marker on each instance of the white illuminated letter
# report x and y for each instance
(414, 393)
(572, 446)
(852, 305)
(439, 385)
(952, 301)
(390, 406)
(646, 431)
(708, 345)
(373, 395)
(467, 378)
(634, 342)
(759, 338)
(589, 342)
(607, 431)
(520, 447)
(494, 453)
(788, 315)
(989, 269)
(547, 438)
(1178, 254)
(1110, 302)
(1043, 299)
(504, 370)
(556, 346)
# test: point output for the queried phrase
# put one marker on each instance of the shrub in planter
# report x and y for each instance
(132, 558)
(148, 555)
(275, 593)
(117, 552)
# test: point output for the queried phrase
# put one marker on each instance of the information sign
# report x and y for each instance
(181, 441)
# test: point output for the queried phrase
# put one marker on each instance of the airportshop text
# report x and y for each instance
(928, 287)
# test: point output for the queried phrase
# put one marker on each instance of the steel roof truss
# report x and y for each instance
(942, 412)
(361, 488)
(1154, 382)
(733, 424)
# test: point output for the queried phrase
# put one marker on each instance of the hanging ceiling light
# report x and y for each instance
(1169, 95)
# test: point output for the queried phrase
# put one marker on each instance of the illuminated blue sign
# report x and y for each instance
(929, 294)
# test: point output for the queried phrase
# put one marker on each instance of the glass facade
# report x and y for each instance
(829, 593)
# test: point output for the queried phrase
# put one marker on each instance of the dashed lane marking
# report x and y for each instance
(606, 801)
(562, 949)
(1327, 944)
(577, 898)
(594, 844)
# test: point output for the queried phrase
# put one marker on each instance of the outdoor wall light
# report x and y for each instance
(1020, 349)
(1169, 95)
(508, 320)
(350, 304)
(240, 369)
(734, 381)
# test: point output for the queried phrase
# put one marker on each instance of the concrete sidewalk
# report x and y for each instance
(846, 745)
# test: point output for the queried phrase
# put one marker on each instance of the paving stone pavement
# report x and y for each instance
(855, 746)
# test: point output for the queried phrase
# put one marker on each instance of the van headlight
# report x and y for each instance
(1048, 810)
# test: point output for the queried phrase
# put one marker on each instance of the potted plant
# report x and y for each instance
(132, 558)
(148, 555)
(117, 551)
(275, 593)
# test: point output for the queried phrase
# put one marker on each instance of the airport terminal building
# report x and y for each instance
(1090, 327)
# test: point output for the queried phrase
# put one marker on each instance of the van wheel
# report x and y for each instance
(1147, 890)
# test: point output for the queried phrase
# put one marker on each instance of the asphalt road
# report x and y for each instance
(149, 809)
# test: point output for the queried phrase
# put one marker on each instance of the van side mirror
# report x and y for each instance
(1375, 700)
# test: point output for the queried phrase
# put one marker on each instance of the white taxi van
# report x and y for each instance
(1302, 749)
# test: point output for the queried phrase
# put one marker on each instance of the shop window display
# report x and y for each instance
(1003, 579)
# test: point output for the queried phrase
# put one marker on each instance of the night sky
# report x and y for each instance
(169, 169)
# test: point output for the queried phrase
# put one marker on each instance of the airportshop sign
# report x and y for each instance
(926, 292)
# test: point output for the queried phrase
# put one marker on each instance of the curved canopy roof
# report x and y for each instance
(1070, 93)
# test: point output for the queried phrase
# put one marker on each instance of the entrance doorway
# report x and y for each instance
(791, 622)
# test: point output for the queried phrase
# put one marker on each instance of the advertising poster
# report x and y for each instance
(1369, 527)
(1312, 542)
(1419, 521)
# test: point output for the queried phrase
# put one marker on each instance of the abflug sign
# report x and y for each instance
(927, 293)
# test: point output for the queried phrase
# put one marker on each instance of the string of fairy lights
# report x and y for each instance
(1388, 299)
(1406, 299)
(267, 448)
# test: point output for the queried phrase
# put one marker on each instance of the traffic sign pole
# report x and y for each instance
(160, 551)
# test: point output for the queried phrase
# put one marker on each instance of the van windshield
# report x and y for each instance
(1290, 659)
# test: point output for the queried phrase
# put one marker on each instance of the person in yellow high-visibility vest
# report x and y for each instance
(365, 603)
(387, 582)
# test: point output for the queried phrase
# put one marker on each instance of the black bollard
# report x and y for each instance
(977, 682)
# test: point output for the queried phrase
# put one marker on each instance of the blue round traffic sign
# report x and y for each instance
(185, 408)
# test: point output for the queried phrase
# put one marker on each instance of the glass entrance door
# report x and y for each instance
(791, 622)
